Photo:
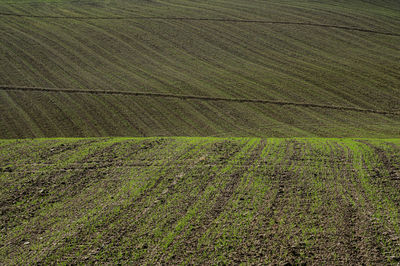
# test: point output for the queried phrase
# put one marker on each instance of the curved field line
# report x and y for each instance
(196, 97)
(209, 19)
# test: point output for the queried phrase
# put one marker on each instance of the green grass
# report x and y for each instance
(295, 63)
(199, 200)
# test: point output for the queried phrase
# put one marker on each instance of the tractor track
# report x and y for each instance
(341, 27)
(195, 97)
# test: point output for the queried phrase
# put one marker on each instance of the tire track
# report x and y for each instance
(197, 97)
(341, 27)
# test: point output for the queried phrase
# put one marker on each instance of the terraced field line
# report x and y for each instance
(197, 97)
(210, 19)
(342, 27)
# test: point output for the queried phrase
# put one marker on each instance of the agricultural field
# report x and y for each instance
(327, 53)
(200, 200)
(152, 132)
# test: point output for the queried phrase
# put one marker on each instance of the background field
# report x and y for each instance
(200, 200)
(340, 53)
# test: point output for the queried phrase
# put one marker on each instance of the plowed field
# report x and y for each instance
(200, 200)
(317, 53)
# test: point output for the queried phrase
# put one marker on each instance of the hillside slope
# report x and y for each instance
(199, 200)
(340, 53)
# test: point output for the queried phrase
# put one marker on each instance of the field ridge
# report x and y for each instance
(195, 97)
(342, 27)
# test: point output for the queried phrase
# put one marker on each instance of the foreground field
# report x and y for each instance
(326, 53)
(200, 200)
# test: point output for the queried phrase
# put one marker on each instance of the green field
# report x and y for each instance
(329, 53)
(153, 132)
(200, 200)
